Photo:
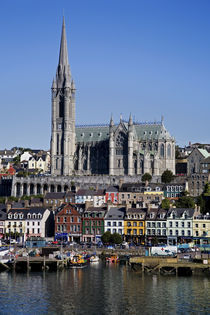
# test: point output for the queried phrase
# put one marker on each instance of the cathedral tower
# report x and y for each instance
(63, 114)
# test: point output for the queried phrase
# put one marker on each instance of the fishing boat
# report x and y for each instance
(77, 261)
(94, 259)
(112, 259)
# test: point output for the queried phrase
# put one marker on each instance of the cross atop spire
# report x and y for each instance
(63, 57)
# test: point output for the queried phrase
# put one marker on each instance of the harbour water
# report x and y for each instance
(102, 289)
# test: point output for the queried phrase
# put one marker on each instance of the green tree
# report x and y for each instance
(116, 238)
(185, 202)
(177, 153)
(146, 177)
(165, 204)
(167, 176)
(106, 237)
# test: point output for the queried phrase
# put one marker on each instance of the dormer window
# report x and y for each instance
(10, 216)
(39, 216)
(145, 132)
(151, 215)
(99, 134)
(21, 216)
(29, 216)
(157, 188)
(15, 216)
(34, 216)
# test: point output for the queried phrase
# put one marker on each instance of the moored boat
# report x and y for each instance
(77, 261)
(94, 259)
(112, 259)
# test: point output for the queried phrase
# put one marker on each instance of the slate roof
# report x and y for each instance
(115, 214)
(3, 215)
(111, 189)
(179, 212)
(24, 211)
(143, 131)
(54, 195)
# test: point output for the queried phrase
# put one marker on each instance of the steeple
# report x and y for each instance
(130, 120)
(63, 57)
(63, 74)
(111, 124)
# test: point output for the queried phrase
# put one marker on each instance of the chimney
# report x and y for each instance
(8, 206)
(26, 203)
(109, 205)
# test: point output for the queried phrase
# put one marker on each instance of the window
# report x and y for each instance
(196, 233)
(182, 223)
(135, 232)
(164, 232)
(148, 224)
(129, 224)
(153, 224)
(153, 232)
(177, 232)
(162, 150)
(114, 230)
(204, 225)
(108, 223)
(140, 232)
(158, 232)
(182, 232)
(114, 223)
(119, 223)
(196, 225)
(170, 223)
(177, 224)
(189, 232)
(140, 223)
(65, 219)
(134, 223)
(158, 224)
(188, 224)
(164, 224)
(120, 231)
(149, 232)
(72, 219)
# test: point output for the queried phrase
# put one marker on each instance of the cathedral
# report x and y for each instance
(126, 148)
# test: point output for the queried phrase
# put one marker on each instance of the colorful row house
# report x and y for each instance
(68, 224)
(134, 226)
(93, 224)
(201, 229)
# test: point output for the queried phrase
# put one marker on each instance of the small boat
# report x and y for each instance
(94, 259)
(77, 261)
(112, 259)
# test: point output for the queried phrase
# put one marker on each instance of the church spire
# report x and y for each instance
(63, 75)
(63, 57)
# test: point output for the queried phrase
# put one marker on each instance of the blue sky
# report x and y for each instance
(147, 57)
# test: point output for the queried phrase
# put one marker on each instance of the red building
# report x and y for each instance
(112, 195)
(68, 224)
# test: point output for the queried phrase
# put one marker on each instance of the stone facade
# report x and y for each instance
(126, 148)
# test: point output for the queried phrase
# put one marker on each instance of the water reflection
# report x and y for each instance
(102, 289)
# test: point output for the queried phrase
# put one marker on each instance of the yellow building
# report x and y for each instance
(134, 225)
(201, 229)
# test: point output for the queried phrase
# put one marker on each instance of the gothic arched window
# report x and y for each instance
(169, 151)
(162, 150)
(121, 144)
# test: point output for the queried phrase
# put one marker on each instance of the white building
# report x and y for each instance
(180, 224)
(22, 223)
(114, 221)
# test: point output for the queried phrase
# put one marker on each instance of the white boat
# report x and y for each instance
(94, 259)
